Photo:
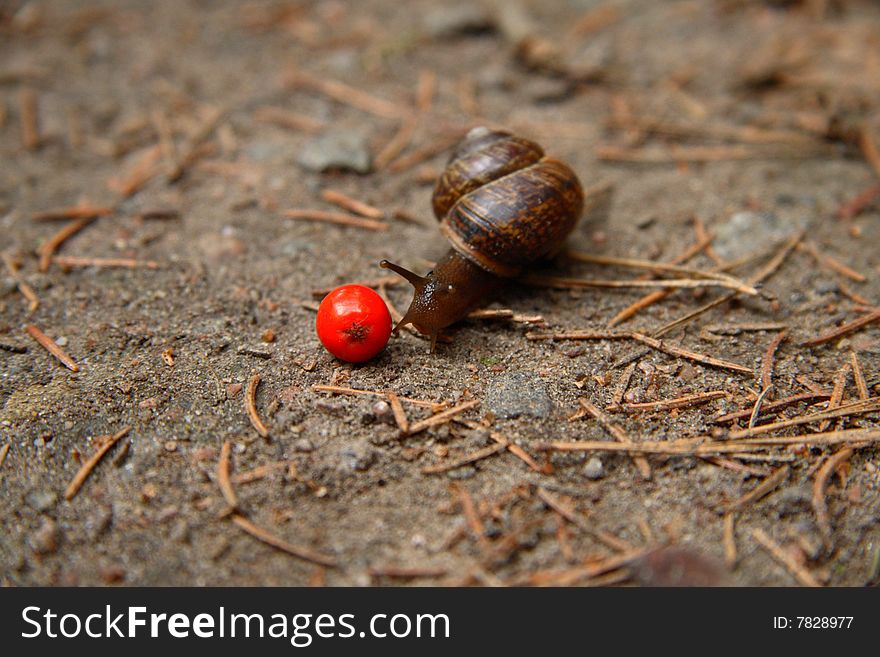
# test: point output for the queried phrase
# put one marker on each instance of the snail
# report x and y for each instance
(503, 205)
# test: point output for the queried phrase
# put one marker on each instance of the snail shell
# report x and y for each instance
(503, 205)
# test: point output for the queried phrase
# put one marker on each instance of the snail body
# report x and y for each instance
(503, 205)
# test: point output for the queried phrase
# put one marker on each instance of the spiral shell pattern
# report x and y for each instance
(503, 204)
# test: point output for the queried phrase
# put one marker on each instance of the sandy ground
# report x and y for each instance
(100, 101)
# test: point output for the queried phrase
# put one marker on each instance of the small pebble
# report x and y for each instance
(303, 445)
(594, 469)
(748, 232)
(356, 457)
(381, 410)
(464, 472)
(337, 150)
(41, 500)
(7, 286)
(518, 393)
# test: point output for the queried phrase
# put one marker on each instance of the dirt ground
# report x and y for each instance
(193, 124)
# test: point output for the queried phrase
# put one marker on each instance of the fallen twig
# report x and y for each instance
(396, 145)
(26, 290)
(49, 345)
(567, 512)
(869, 148)
(348, 95)
(473, 457)
(505, 313)
(30, 122)
(339, 390)
(425, 152)
(191, 150)
(705, 446)
(759, 402)
(144, 169)
(651, 298)
(82, 211)
(861, 385)
(820, 484)
(669, 404)
(837, 392)
(287, 119)
(758, 277)
(223, 480)
(439, 418)
(644, 339)
(774, 406)
(87, 467)
(729, 541)
(103, 263)
(777, 552)
(856, 205)
(49, 247)
(767, 361)
(634, 263)
(270, 539)
(764, 488)
(352, 205)
(573, 576)
(855, 408)
(561, 282)
(471, 515)
(3, 452)
(618, 433)
(511, 446)
(397, 409)
(840, 331)
(250, 403)
(623, 384)
(611, 153)
(825, 260)
(304, 214)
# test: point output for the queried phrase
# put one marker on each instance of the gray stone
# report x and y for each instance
(464, 472)
(593, 469)
(518, 393)
(336, 150)
(356, 457)
(749, 232)
(381, 410)
(7, 286)
(445, 21)
(827, 286)
(41, 500)
(303, 445)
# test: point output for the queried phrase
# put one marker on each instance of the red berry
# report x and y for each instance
(353, 323)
